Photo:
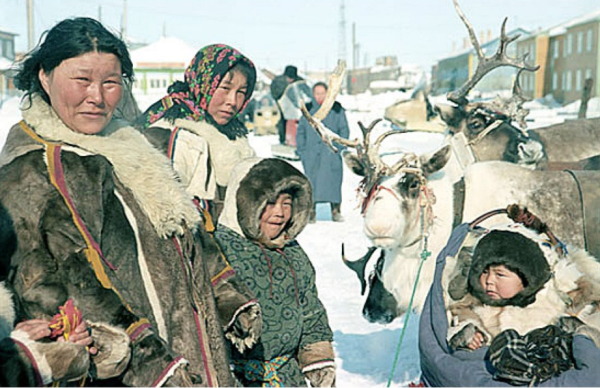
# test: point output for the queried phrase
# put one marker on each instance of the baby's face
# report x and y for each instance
(500, 283)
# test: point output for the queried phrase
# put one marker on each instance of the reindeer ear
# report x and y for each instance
(354, 163)
(434, 162)
(452, 116)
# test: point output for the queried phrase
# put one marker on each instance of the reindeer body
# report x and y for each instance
(392, 219)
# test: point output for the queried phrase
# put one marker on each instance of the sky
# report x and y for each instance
(307, 33)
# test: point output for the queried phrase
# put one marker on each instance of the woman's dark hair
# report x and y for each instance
(69, 39)
(320, 83)
(245, 69)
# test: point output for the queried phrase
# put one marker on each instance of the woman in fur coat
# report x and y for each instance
(197, 123)
(98, 217)
(267, 205)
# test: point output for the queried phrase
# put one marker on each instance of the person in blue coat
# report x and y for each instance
(443, 367)
(322, 166)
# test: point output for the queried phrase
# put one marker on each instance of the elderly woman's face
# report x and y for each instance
(229, 97)
(85, 90)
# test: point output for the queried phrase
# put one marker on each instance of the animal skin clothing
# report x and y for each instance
(280, 274)
(111, 199)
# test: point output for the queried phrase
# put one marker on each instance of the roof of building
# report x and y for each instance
(166, 52)
(493, 43)
(586, 18)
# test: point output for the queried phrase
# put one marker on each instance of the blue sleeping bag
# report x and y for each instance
(443, 367)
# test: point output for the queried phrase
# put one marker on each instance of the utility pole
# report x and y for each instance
(342, 33)
(124, 22)
(100, 13)
(354, 57)
(30, 35)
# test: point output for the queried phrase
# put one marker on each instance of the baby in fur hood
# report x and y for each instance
(561, 290)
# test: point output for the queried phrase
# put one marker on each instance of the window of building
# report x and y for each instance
(565, 52)
(564, 81)
(554, 81)
(588, 73)
(556, 49)
(570, 43)
(589, 40)
(578, 80)
(569, 81)
(579, 41)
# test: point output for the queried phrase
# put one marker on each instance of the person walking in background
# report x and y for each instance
(322, 166)
(197, 123)
(267, 205)
(288, 89)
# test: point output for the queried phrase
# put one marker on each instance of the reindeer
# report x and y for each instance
(485, 130)
(411, 207)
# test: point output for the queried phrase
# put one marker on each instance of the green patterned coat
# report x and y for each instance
(279, 273)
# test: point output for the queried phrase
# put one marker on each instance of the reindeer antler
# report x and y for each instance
(486, 64)
(513, 107)
(335, 83)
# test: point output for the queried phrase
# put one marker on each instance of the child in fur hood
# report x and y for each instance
(267, 205)
(524, 299)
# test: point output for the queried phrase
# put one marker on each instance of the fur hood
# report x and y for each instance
(575, 276)
(253, 183)
(138, 165)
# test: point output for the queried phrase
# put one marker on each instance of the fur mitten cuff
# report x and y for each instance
(246, 327)
(54, 361)
(317, 362)
(114, 350)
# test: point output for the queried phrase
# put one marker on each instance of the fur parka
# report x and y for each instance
(119, 199)
(296, 338)
(557, 287)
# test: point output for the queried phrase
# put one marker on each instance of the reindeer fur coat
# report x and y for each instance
(152, 276)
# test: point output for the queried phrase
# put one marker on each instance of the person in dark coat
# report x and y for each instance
(323, 167)
(267, 205)
(442, 367)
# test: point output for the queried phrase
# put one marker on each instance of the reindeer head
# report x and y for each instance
(488, 126)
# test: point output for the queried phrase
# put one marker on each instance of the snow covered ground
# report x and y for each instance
(365, 351)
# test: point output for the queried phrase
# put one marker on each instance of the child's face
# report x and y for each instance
(276, 215)
(500, 283)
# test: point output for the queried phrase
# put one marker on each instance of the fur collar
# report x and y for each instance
(224, 152)
(138, 165)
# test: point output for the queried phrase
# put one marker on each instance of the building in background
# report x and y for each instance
(567, 54)
(452, 72)
(159, 64)
(7, 58)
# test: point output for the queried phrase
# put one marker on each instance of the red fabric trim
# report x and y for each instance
(166, 371)
(59, 177)
(139, 331)
(203, 350)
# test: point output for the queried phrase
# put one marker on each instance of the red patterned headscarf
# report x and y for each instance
(190, 99)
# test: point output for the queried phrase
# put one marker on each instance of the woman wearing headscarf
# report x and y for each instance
(99, 221)
(197, 123)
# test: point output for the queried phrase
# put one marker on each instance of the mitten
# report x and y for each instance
(317, 362)
(55, 360)
(114, 350)
(246, 328)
